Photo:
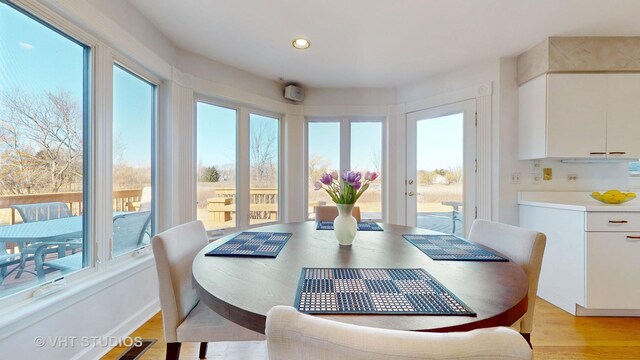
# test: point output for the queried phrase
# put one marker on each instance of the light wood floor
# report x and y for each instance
(557, 335)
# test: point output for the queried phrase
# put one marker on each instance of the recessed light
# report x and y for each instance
(301, 43)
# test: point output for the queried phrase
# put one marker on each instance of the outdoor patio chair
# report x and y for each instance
(128, 235)
(42, 212)
(7, 260)
(294, 335)
(329, 213)
(525, 247)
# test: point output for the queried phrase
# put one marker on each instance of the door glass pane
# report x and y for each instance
(133, 118)
(366, 155)
(43, 143)
(324, 156)
(216, 154)
(439, 173)
(263, 165)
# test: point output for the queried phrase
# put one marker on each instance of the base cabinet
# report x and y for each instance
(613, 270)
(591, 263)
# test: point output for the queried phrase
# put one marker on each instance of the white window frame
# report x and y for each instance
(345, 150)
(98, 161)
(242, 152)
(137, 71)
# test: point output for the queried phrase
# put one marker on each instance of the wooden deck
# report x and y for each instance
(440, 221)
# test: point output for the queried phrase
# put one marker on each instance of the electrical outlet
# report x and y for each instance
(536, 178)
(572, 177)
(515, 178)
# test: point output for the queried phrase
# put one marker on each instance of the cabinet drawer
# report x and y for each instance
(612, 270)
(613, 221)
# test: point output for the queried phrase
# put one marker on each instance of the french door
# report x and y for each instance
(441, 168)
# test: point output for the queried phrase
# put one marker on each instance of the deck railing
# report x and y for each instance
(122, 201)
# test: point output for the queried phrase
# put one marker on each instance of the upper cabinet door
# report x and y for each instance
(576, 115)
(623, 115)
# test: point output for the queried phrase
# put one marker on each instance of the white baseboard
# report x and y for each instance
(122, 330)
(607, 312)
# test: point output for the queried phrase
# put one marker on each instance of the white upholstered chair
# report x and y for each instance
(523, 246)
(293, 335)
(330, 213)
(185, 318)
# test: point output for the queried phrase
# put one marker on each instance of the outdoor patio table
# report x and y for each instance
(244, 289)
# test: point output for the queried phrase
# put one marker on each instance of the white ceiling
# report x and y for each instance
(377, 43)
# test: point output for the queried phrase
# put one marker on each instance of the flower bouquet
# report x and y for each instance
(345, 191)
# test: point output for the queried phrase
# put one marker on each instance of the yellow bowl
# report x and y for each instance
(612, 200)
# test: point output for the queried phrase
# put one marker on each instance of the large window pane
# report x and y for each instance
(43, 117)
(263, 164)
(324, 156)
(133, 119)
(216, 154)
(366, 155)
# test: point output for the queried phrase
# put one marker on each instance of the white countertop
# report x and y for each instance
(580, 201)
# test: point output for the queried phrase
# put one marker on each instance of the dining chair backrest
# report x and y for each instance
(523, 246)
(174, 251)
(42, 211)
(330, 213)
(293, 335)
(129, 231)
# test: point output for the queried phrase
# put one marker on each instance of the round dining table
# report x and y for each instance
(243, 289)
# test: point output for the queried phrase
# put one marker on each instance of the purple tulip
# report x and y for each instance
(357, 185)
(317, 185)
(326, 178)
(371, 176)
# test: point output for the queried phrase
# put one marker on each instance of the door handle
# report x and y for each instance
(617, 152)
(410, 182)
(410, 193)
(598, 153)
(635, 238)
(618, 222)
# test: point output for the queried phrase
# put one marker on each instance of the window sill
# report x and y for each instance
(26, 313)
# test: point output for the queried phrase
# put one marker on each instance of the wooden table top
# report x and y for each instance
(244, 289)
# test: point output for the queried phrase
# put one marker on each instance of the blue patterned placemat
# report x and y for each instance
(362, 226)
(375, 291)
(252, 244)
(451, 247)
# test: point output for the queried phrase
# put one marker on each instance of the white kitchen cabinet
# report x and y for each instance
(612, 270)
(579, 116)
(590, 264)
(623, 115)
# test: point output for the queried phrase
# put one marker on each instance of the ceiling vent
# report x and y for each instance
(294, 93)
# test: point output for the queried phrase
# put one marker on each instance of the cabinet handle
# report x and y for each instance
(617, 152)
(633, 237)
(618, 222)
(598, 153)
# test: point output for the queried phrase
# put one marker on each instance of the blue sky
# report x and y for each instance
(35, 59)
(439, 142)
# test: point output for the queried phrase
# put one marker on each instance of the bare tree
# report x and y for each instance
(318, 165)
(40, 142)
(264, 155)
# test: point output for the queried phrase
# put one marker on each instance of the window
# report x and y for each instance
(345, 144)
(264, 145)
(216, 169)
(324, 156)
(133, 123)
(44, 119)
(366, 155)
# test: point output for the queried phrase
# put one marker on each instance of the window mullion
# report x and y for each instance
(243, 169)
(345, 145)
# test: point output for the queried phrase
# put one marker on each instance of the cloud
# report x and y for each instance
(26, 45)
